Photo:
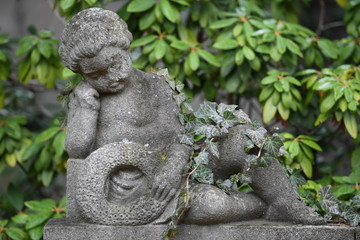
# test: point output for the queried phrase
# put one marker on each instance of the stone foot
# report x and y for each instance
(293, 211)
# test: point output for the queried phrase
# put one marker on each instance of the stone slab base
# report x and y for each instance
(59, 229)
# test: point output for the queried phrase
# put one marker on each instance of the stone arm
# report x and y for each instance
(169, 177)
(83, 114)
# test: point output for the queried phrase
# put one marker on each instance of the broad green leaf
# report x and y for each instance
(140, 5)
(147, 20)
(327, 103)
(328, 48)
(59, 143)
(194, 60)
(232, 83)
(169, 11)
(255, 64)
(184, 46)
(348, 94)
(143, 41)
(294, 148)
(351, 125)
(44, 48)
(38, 219)
(239, 57)
(342, 190)
(248, 53)
(67, 4)
(275, 54)
(293, 47)
(160, 49)
(15, 233)
(312, 144)
(223, 23)
(260, 32)
(46, 177)
(269, 79)
(355, 159)
(30, 151)
(226, 44)
(41, 206)
(269, 111)
(265, 93)
(280, 44)
(208, 57)
(20, 218)
(283, 111)
(35, 56)
(306, 167)
(46, 135)
(36, 233)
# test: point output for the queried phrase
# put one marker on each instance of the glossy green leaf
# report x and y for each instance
(281, 44)
(37, 219)
(351, 125)
(223, 23)
(169, 11)
(143, 41)
(226, 44)
(208, 57)
(46, 135)
(140, 5)
(269, 111)
(194, 60)
(248, 53)
(307, 167)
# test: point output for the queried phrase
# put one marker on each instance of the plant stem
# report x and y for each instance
(320, 26)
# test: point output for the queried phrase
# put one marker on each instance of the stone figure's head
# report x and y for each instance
(95, 43)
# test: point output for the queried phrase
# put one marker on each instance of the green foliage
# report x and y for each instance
(234, 50)
(29, 224)
(40, 60)
(301, 153)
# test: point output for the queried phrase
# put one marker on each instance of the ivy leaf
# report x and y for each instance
(186, 139)
(328, 199)
(225, 107)
(296, 178)
(207, 111)
(203, 175)
(242, 116)
(202, 158)
(251, 159)
(179, 98)
(272, 146)
(264, 161)
(249, 145)
(213, 149)
(257, 136)
(229, 120)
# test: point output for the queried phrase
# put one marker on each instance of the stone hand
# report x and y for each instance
(87, 96)
(162, 190)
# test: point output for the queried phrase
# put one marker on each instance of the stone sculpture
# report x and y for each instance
(124, 123)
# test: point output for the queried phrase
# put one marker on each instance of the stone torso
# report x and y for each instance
(143, 113)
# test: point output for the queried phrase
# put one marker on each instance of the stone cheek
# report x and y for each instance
(94, 194)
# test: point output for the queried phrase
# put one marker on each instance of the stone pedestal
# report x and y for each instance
(59, 229)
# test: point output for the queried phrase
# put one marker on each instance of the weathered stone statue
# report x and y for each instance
(124, 124)
(126, 162)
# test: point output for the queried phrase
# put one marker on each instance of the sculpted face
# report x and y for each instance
(108, 71)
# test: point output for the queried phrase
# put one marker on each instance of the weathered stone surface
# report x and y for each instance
(58, 229)
(123, 129)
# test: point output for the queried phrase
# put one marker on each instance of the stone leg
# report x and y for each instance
(273, 186)
(210, 205)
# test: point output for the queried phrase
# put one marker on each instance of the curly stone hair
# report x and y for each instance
(88, 32)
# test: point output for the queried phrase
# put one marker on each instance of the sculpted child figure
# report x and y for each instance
(122, 108)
